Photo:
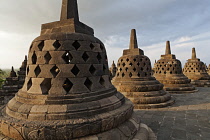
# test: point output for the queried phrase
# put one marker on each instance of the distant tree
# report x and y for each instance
(1, 77)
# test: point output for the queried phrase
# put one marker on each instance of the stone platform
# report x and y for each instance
(188, 119)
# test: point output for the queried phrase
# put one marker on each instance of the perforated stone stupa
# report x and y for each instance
(134, 80)
(67, 92)
(168, 71)
(195, 70)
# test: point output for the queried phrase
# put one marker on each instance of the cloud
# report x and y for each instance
(184, 23)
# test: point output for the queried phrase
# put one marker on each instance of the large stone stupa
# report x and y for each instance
(195, 70)
(134, 80)
(168, 71)
(67, 92)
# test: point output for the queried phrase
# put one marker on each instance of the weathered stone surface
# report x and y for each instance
(195, 70)
(67, 92)
(168, 70)
(134, 80)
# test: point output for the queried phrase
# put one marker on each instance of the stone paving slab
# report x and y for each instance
(187, 119)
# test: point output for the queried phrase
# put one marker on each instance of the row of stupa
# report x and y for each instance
(67, 93)
(14, 81)
(168, 71)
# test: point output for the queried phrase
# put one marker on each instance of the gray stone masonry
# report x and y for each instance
(188, 119)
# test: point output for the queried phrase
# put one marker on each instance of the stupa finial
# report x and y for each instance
(168, 48)
(13, 73)
(69, 10)
(133, 40)
(25, 57)
(193, 53)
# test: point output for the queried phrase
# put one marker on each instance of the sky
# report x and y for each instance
(186, 23)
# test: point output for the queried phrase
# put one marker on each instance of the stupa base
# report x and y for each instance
(201, 83)
(111, 125)
(131, 129)
(150, 99)
(181, 90)
(157, 105)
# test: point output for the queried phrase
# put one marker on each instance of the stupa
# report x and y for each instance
(195, 70)
(67, 92)
(10, 86)
(168, 71)
(113, 70)
(134, 80)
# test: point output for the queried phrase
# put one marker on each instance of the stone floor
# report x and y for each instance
(187, 119)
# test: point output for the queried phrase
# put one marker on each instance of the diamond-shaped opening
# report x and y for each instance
(118, 74)
(130, 74)
(55, 71)
(67, 85)
(29, 84)
(126, 69)
(75, 70)
(27, 71)
(41, 45)
(123, 74)
(85, 56)
(142, 68)
(138, 64)
(134, 59)
(34, 58)
(99, 57)
(76, 45)
(123, 64)
(146, 74)
(102, 47)
(121, 60)
(92, 69)
(120, 69)
(88, 83)
(57, 44)
(127, 59)
(37, 71)
(138, 75)
(92, 46)
(67, 57)
(45, 86)
(102, 81)
(47, 57)
(131, 64)
(134, 69)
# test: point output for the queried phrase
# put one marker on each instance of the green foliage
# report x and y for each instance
(2, 76)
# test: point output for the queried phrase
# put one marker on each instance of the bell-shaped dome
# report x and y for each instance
(195, 70)
(168, 70)
(67, 92)
(134, 80)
